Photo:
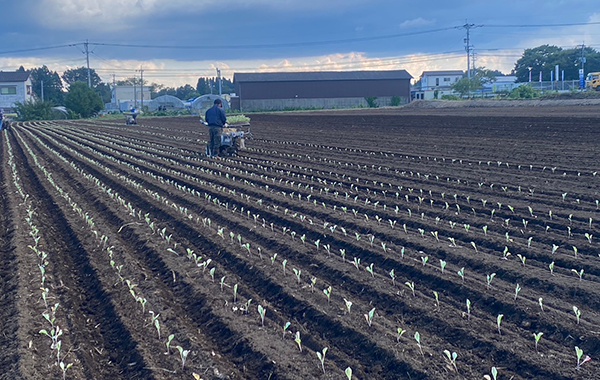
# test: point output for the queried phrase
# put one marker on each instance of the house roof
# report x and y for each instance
(13, 76)
(320, 76)
(442, 72)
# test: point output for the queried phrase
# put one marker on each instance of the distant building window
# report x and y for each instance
(437, 81)
(446, 79)
(28, 90)
(8, 90)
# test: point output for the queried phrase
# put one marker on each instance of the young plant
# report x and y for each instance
(183, 354)
(64, 367)
(437, 299)
(517, 290)
(322, 358)
(537, 338)
(235, 291)
(452, 358)
(442, 265)
(348, 373)
(461, 273)
(369, 316)
(399, 334)
(411, 285)
(418, 339)
(468, 309)
(577, 313)
(489, 279)
(580, 273)
(298, 272)
(499, 321)
(168, 344)
(285, 327)
(328, 293)
(551, 266)
(284, 263)
(298, 340)
(579, 353)
(393, 276)
(370, 270)
(541, 303)
(262, 311)
(348, 305)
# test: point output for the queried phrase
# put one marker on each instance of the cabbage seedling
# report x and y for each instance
(499, 321)
(589, 237)
(168, 344)
(489, 279)
(522, 258)
(437, 299)
(424, 260)
(285, 327)
(64, 368)
(537, 338)
(212, 274)
(411, 285)
(262, 311)
(517, 290)
(328, 293)
(157, 325)
(399, 334)
(461, 273)
(222, 282)
(322, 358)
(442, 265)
(580, 273)
(577, 313)
(452, 358)
(298, 340)
(284, 263)
(370, 270)
(313, 281)
(273, 258)
(183, 354)
(298, 272)
(348, 373)
(540, 302)
(369, 316)
(575, 250)
(468, 309)
(579, 353)
(348, 305)
(235, 291)
(551, 266)
(418, 339)
(393, 276)
(356, 263)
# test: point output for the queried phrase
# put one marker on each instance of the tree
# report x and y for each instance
(53, 87)
(544, 58)
(104, 91)
(210, 85)
(80, 74)
(83, 100)
(34, 110)
(479, 77)
(186, 92)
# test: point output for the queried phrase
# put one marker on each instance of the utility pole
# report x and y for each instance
(142, 86)
(114, 80)
(134, 91)
(219, 78)
(87, 58)
(467, 42)
(582, 67)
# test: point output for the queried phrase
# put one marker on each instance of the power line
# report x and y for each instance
(540, 25)
(37, 49)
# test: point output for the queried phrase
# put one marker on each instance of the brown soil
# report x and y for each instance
(399, 189)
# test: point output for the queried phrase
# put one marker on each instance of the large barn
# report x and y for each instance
(325, 89)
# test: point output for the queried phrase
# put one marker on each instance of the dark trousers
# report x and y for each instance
(214, 141)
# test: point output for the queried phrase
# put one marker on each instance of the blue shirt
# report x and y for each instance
(215, 116)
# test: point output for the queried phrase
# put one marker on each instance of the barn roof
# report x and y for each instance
(320, 76)
(13, 76)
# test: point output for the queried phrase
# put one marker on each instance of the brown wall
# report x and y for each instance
(323, 89)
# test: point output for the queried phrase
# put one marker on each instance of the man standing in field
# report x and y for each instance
(216, 119)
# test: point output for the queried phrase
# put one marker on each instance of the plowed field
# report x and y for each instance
(386, 238)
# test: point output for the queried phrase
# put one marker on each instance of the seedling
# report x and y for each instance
(437, 299)
(157, 325)
(424, 259)
(474, 246)
(183, 354)
(554, 248)
(235, 291)
(348, 373)
(580, 273)
(393, 276)
(579, 353)
(442, 265)
(356, 263)
(64, 368)
(537, 338)
(551, 266)
(370, 270)
(348, 305)
(328, 293)
(343, 254)
(284, 263)
(452, 358)
(540, 302)
(517, 290)
(575, 250)
(418, 339)
(411, 285)
(522, 258)
(212, 274)
(369, 316)
(399, 334)
(577, 313)
(468, 309)
(298, 272)
(298, 340)
(322, 358)
(168, 344)
(285, 327)
(262, 311)
(490, 278)
(273, 258)
(461, 273)
(499, 321)
(313, 281)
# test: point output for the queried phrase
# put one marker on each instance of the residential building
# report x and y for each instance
(15, 86)
(435, 84)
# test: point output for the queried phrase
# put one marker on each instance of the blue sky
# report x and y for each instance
(282, 34)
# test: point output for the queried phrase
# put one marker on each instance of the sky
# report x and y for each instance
(176, 41)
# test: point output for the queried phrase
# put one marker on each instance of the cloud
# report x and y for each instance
(417, 22)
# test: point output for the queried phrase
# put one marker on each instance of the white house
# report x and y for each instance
(15, 86)
(439, 82)
(124, 97)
